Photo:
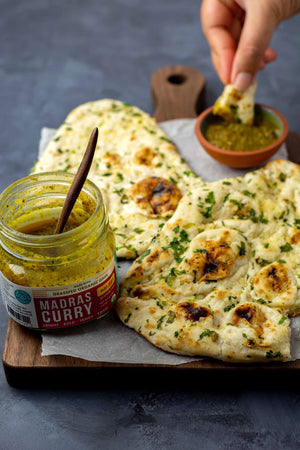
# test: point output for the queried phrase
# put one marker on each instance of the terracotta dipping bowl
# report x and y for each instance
(242, 159)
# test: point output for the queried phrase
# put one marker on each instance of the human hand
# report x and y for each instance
(239, 33)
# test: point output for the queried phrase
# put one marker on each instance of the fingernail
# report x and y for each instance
(242, 81)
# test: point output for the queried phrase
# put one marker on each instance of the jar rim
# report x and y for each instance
(44, 178)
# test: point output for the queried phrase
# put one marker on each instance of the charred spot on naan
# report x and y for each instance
(252, 316)
(112, 158)
(295, 238)
(243, 312)
(276, 285)
(155, 255)
(192, 311)
(212, 261)
(147, 292)
(135, 277)
(272, 279)
(156, 195)
(146, 156)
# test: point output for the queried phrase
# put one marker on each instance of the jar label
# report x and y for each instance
(51, 308)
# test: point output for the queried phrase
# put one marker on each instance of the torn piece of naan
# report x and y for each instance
(236, 106)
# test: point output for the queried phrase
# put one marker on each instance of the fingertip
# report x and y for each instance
(242, 81)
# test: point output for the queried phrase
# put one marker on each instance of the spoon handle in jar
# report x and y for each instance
(78, 182)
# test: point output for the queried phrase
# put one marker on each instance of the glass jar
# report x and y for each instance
(53, 281)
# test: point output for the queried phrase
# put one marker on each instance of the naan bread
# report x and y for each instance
(236, 106)
(223, 275)
(137, 168)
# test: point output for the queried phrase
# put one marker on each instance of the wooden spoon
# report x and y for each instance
(78, 182)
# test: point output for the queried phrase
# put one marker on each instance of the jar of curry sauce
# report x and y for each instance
(53, 281)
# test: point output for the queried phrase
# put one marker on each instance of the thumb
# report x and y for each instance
(256, 35)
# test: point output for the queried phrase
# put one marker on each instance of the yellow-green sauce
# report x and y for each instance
(46, 227)
(240, 137)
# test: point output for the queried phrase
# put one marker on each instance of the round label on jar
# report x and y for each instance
(51, 308)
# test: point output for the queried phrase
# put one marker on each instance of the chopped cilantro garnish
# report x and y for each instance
(252, 216)
(282, 177)
(226, 198)
(118, 191)
(283, 318)
(211, 200)
(127, 318)
(236, 203)
(138, 230)
(129, 247)
(124, 199)
(286, 247)
(262, 219)
(229, 307)
(262, 262)
(122, 235)
(261, 301)
(208, 333)
(183, 236)
(160, 320)
(163, 138)
(147, 252)
(171, 316)
(159, 305)
(176, 245)
(242, 248)
(270, 354)
(178, 250)
(249, 194)
(169, 278)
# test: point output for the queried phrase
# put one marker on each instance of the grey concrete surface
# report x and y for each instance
(56, 54)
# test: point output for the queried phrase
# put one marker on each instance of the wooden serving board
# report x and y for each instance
(178, 92)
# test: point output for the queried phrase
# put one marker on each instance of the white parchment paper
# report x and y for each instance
(107, 339)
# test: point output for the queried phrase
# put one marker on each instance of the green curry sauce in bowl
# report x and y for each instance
(240, 145)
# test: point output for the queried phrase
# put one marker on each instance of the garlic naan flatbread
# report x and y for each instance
(222, 277)
(137, 168)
